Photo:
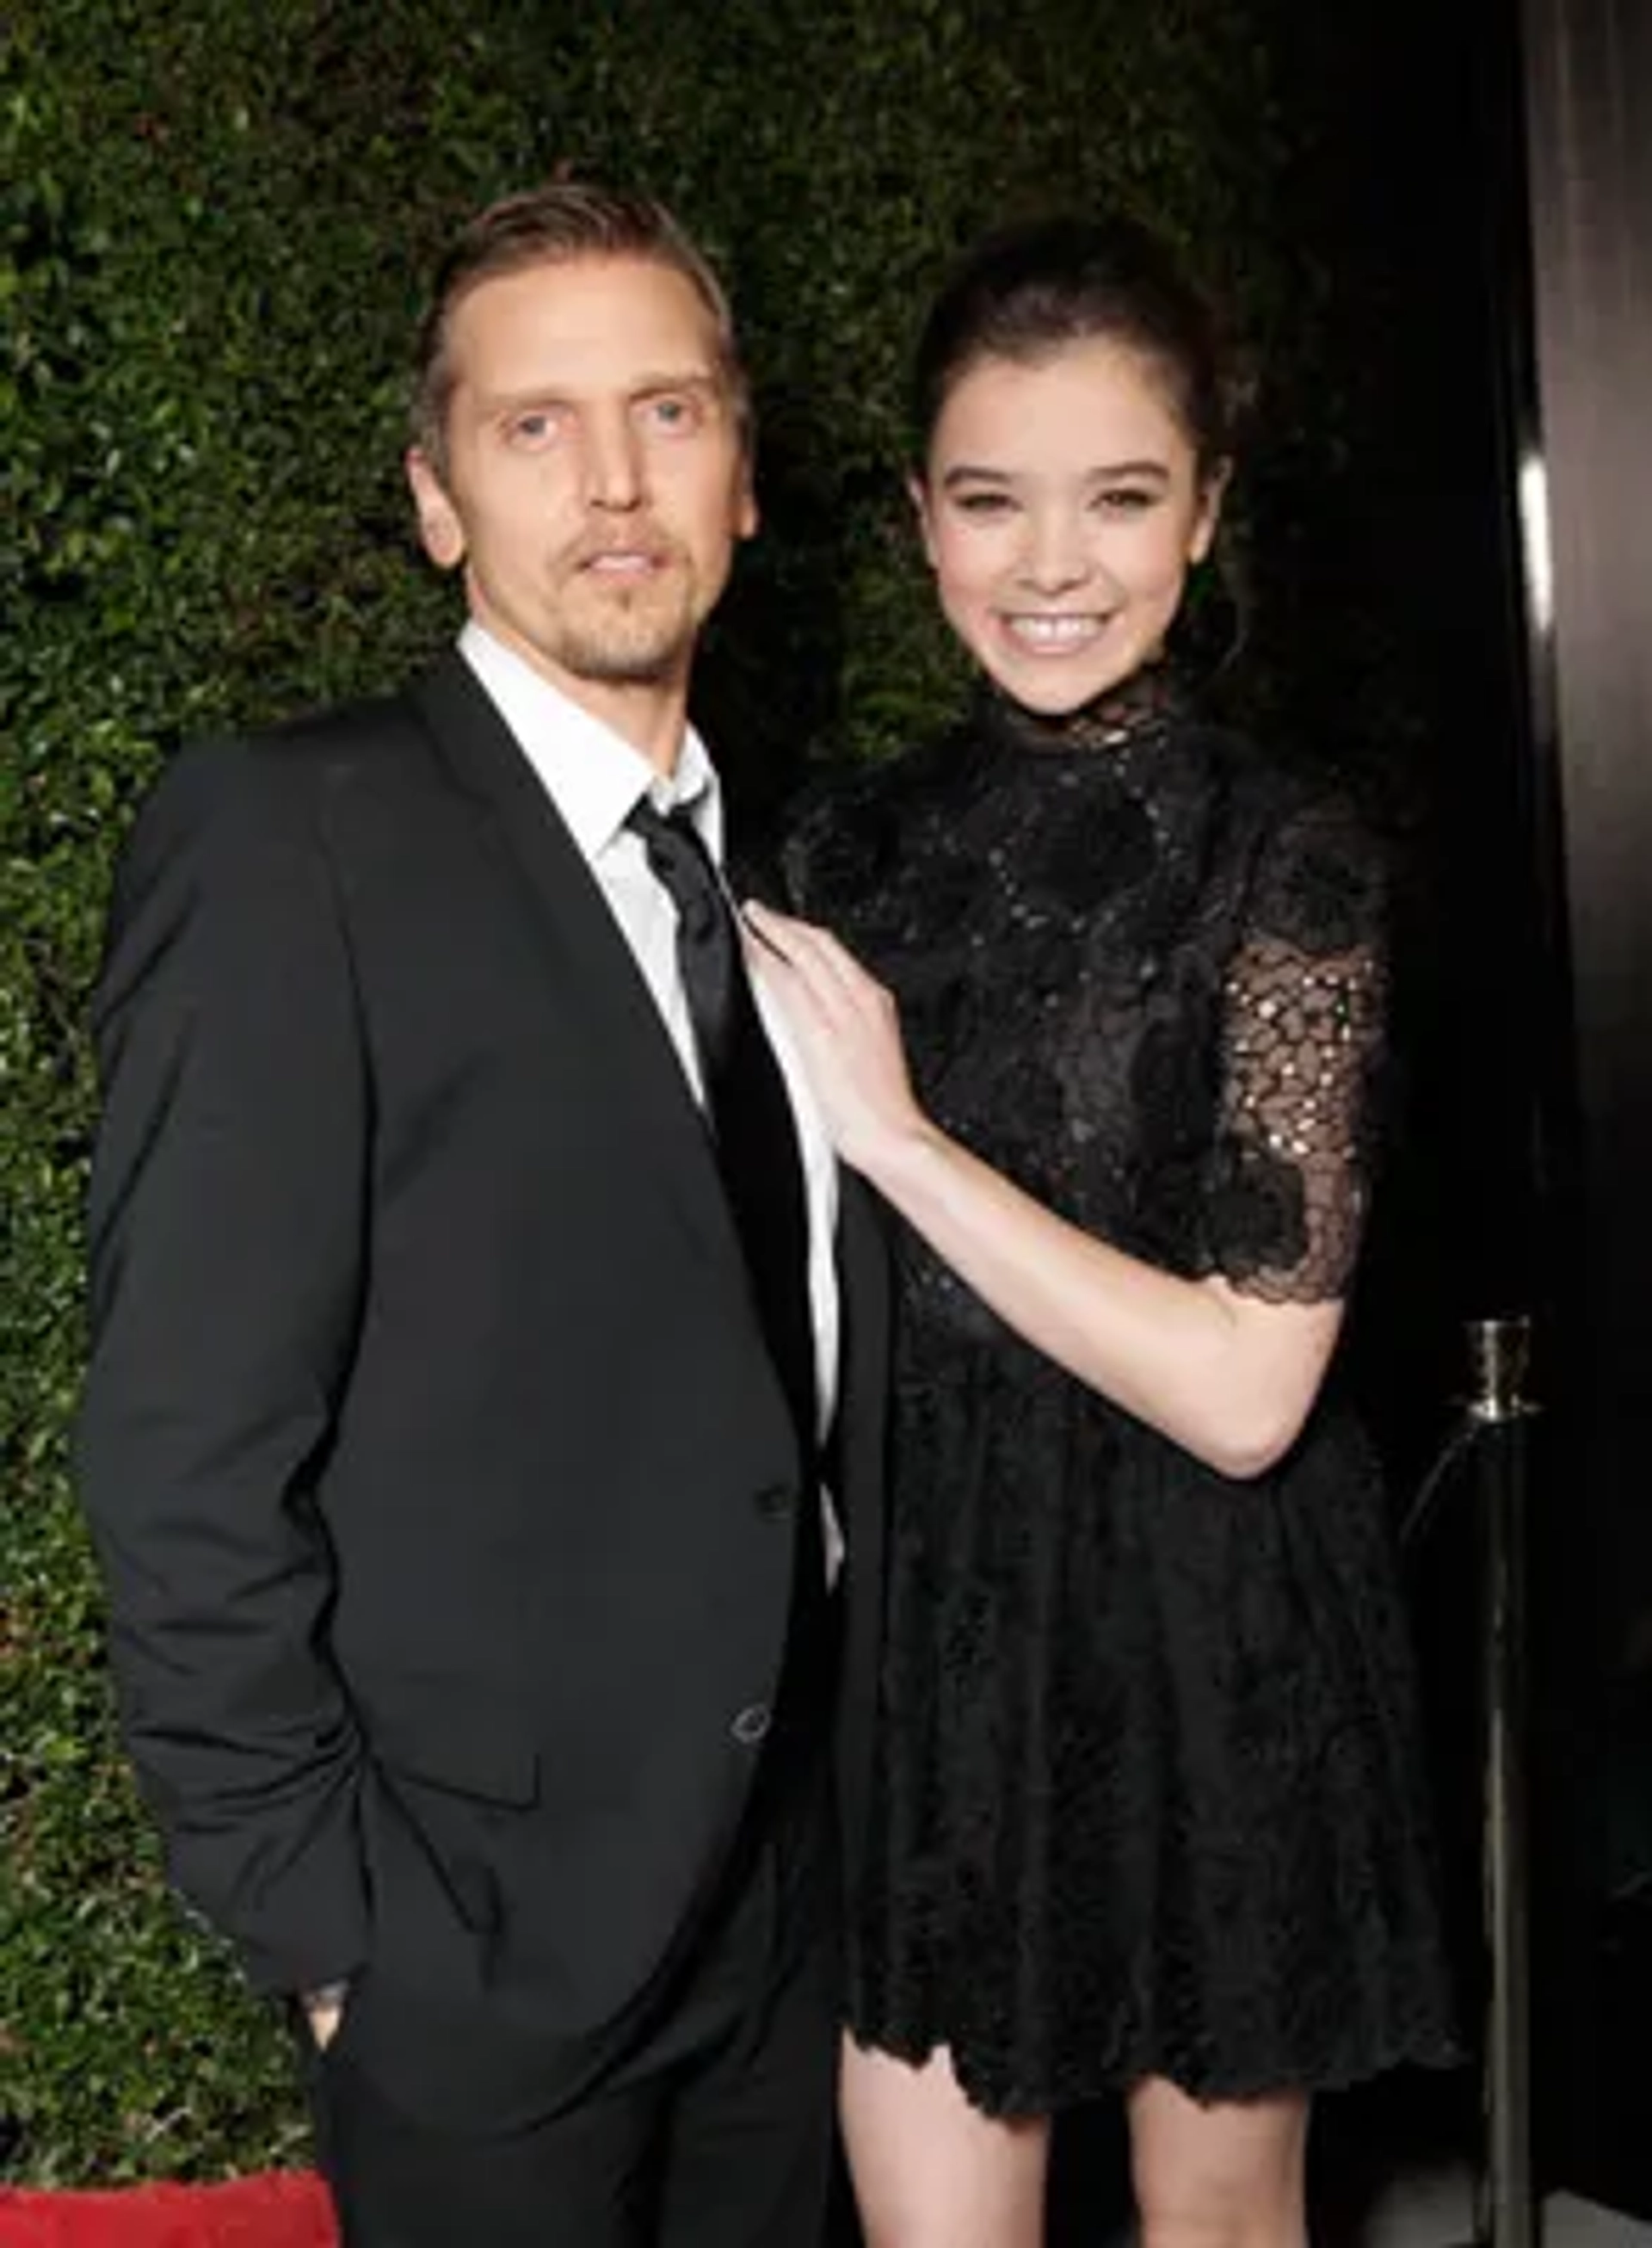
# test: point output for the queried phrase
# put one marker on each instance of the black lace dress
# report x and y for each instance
(1149, 1797)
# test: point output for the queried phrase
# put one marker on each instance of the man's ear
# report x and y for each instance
(746, 515)
(918, 492)
(440, 532)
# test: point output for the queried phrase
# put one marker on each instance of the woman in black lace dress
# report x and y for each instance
(1149, 1807)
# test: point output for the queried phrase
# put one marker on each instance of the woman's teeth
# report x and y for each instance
(1053, 636)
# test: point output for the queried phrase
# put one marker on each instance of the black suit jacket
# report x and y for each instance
(444, 1488)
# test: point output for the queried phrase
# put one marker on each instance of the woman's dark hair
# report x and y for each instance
(1023, 293)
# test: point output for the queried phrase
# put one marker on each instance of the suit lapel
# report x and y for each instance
(589, 962)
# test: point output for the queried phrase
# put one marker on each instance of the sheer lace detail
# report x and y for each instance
(1290, 1187)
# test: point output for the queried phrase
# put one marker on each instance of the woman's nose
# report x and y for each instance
(1055, 556)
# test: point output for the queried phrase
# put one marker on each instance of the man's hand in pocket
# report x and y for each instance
(323, 2010)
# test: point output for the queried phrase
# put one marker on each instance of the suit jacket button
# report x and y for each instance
(775, 1502)
(750, 1726)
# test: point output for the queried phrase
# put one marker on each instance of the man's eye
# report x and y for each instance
(536, 428)
(671, 411)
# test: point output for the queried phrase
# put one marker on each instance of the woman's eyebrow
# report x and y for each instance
(962, 472)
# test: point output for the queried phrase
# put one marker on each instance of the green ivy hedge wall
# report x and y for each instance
(214, 219)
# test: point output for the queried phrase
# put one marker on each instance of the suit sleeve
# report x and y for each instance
(226, 1223)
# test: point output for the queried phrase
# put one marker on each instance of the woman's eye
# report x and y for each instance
(1125, 499)
(983, 503)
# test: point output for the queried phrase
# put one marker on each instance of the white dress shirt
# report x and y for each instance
(594, 776)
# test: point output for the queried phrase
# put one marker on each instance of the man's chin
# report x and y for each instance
(610, 667)
(639, 657)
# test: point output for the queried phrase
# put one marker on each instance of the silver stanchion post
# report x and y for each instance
(1499, 1411)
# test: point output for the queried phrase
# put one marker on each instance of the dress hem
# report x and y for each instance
(1210, 2086)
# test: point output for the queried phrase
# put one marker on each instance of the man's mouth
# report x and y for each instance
(624, 562)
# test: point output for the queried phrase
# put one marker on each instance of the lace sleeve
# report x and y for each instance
(1302, 1015)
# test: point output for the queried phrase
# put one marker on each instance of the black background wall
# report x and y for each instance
(1490, 187)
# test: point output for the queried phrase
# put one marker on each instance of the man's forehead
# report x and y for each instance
(587, 298)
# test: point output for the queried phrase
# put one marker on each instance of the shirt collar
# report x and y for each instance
(592, 775)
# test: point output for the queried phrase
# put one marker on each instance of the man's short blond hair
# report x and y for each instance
(554, 225)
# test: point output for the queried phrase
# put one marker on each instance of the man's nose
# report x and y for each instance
(614, 478)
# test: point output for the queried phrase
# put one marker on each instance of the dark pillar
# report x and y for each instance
(1587, 462)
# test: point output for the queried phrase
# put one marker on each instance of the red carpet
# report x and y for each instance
(285, 2208)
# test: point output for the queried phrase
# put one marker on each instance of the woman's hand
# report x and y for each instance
(1228, 1376)
(847, 1030)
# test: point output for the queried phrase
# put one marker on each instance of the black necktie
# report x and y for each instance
(749, 1112)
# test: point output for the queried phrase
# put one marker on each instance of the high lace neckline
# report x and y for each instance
(1139, 708)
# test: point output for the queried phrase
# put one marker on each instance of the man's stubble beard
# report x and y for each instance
(630, 637)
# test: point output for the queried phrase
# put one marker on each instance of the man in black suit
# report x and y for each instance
(469, 1337)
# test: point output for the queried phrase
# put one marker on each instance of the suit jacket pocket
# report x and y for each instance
(459, 1751)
